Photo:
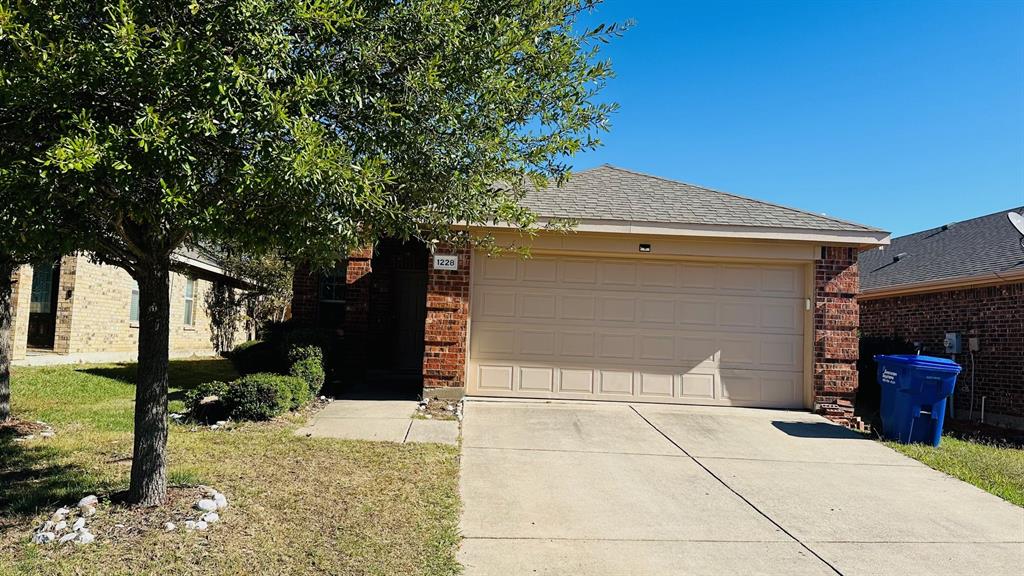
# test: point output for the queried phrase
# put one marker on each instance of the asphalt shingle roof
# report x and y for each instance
(616, 194)
(987, 244)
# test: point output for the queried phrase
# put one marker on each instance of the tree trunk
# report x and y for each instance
(6, 348)
(149, 461)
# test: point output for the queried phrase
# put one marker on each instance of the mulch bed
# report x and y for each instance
(985, 433)
(18, 428)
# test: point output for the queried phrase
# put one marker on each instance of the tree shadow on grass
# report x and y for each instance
(32, 479)
(183, 375)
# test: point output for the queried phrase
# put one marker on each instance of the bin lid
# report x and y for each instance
(933, 362)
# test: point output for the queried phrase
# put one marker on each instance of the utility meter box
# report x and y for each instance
(952, 343)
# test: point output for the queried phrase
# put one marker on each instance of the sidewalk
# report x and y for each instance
(378, 420)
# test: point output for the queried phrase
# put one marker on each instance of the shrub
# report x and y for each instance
(254, 356)
(299, 391)
(307, 362)
(311, 372)
(206, 403)
(259, 396)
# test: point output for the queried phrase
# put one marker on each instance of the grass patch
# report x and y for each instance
(297, 505)
(993, 468)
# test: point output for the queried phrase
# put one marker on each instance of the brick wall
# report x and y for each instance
(93, 312)
(21, 297)
(993, 314)
(836, 318)
(447, 324)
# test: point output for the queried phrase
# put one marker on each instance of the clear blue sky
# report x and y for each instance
(901, 115)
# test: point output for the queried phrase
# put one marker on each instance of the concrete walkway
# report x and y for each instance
(378, 420)
(603, 489)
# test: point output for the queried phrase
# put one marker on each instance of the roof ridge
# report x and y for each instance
(1017, 209)
(741, 197)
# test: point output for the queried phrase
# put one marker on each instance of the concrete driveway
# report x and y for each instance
(576, 488)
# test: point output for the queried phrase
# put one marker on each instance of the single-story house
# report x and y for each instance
(76, 310)
(664, 292)
(967, 279)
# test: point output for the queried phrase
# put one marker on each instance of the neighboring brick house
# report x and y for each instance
(79, 311)
(664, 292)
(965, 278)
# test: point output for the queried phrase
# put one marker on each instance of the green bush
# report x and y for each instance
(214, 408)
(259, 396)
(307, 362)
(254, 356)
(299, 391)
(311, 372)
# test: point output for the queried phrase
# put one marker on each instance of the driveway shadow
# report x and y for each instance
(816, 430)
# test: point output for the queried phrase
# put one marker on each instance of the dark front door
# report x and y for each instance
(42, 314)
(410, 302)
(398, 309)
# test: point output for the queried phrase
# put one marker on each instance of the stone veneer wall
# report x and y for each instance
(993, 314)
(836, 321)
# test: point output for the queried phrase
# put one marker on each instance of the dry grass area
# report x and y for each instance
(297, 505)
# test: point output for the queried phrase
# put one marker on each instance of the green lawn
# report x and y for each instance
(996, 469)
(297, 505)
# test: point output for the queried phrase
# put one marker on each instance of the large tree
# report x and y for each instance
(309, 126)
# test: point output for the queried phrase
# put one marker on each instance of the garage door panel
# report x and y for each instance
(536, 379)
(577, 306)
(537, 306)
(540, 270)
(616, 382)
(576, 344)
(533, 343)
(579, 380)
(704, 333)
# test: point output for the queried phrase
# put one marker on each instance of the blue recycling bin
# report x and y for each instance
(914, 393)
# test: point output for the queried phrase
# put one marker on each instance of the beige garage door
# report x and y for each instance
(606, 329)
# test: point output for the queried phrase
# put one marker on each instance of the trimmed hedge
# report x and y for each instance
(215, 408)
(307, 362)
(259, 396)
(254, 356)
(299, 391)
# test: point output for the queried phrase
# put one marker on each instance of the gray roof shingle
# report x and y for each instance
(616, 194)
(987, 244)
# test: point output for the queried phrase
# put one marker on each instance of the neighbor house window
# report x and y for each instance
(190, 302)
(42, 290)
(133, 314)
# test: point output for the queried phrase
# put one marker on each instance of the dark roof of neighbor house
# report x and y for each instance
(984, 245)
(616, 194)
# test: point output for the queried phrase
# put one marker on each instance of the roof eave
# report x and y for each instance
(860, 238)
(943, 284)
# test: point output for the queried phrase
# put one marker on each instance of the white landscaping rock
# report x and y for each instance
(68, 537)
(201, 525)
(206, 505)
(89, 500)
(210, 517)
(87, 511)
(220, 500)
(60, 526)
(85, 537)
(47, 526)
(43, 537)
(190, 524)
(78, 525)
(46, 434)
(170, 527)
